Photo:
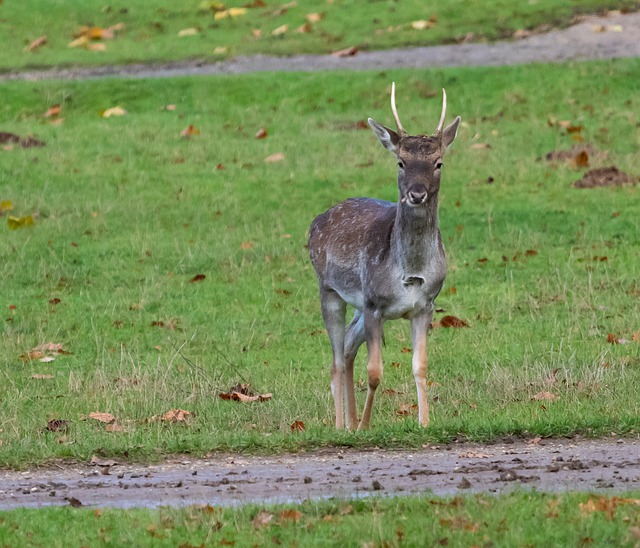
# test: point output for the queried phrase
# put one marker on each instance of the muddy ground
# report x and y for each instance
(228, 480)
(604, 37)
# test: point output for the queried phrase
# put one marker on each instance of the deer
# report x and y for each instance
(387, 260)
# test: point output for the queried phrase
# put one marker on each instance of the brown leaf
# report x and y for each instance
(261, 133)
(246, 246)
(113, 111)
(40, 376)
(114, 427)
(580, 160)
(314, 17)
(282, 29)
(177, 415)
(347, 52)
(612, 339)
(189, 131)
(544, 396)
(37, 43)
(58, 425)
(452, 321)
(197, 278)
(73, 502)
(102, 417)
(297, 426)
(290, 515)
(52, 111)
(97, 461)
(262, 519)
(304, 29)
(277, 157)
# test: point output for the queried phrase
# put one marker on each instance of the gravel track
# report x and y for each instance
(231, 480)
(612, 36)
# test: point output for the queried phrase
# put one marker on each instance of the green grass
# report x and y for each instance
(127, 213)
(151, 28)
(518, 519)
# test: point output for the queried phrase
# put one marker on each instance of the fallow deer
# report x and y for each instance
(385, 259)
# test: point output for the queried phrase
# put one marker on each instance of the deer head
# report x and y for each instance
(419, 156)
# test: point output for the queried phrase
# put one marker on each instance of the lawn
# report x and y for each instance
(91, 32)
(518, 519)
(170, 268)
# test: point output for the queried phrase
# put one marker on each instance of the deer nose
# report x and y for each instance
(417, 196)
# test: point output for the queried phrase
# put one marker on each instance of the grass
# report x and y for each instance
(151, 29)
(522, 519)
(127, 212)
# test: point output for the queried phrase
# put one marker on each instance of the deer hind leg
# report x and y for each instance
(353, 341)
(373, 337)
(333, 312)
(419, 328)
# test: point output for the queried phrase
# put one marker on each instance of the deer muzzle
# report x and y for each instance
(417, 195)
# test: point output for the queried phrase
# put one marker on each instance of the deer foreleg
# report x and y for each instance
(419, 328)
(333, 311)
(373, 336)
(354, 339)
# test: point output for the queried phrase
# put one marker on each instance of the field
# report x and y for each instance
(170, 268)
(41, 33)
(521, 518)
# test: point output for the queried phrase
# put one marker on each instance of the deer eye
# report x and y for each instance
(439, 165)
(401, 164)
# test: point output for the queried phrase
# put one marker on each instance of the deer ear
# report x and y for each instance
(449, 133)
(386, 136)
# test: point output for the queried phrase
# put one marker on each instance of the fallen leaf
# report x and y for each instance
(177, 415)
(221, 50)
(452, 321)
(261, 133)
(114, 427)
(277, 157)
(290, 515)
(37, 43)
(474, 455)
(347, 52)
(314, 17)
(243, 393)
(197, 278)
(53, 110)
(73, 502)
(256, 33)
(189, 131)
(303, 29)
(170, 107)
(423, 24)
(97, 461)
(191, 31)
(480, 146)
(47, 359)
(102, 417)
(246, 246)
(282, 29)
(58, 425)
(96, 47)
(297, 426)
(612, 339)
(171, 324)
(113, 111)
(262, 519)
(14, 223)
(580, 160)
(231, 12)
(5, 205)
(544, 396)
(40, 376)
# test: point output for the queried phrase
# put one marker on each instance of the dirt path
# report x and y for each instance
(550, 465)
(616, 35)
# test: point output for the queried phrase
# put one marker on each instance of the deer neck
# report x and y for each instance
(415, 237)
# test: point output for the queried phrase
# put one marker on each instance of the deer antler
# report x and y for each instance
(444, 111)
(401, 130)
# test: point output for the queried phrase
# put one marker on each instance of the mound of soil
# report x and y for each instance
(605, 176)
